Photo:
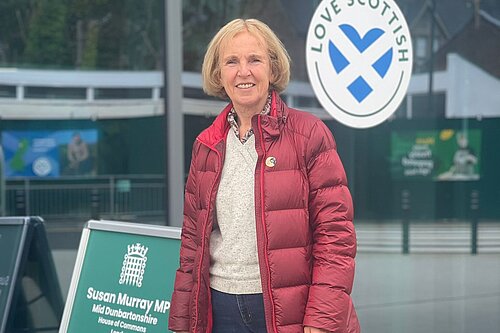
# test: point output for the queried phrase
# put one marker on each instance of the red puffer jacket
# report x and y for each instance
(305, 236)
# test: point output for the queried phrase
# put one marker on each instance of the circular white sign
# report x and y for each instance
(359, 59)
(42, 167)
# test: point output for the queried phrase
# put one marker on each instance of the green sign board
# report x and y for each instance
(123, 279)
(439, 155)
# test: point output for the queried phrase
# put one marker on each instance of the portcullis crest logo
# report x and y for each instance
(359, 59)
(134, 264)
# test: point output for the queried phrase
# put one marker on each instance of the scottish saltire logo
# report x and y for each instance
(359, 59)
(134, 264)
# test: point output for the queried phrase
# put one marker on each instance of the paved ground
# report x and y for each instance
(395, 293)
(439, 293)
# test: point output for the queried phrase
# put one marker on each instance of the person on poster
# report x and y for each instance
(268, 243)
(78, 155)
(464, 162)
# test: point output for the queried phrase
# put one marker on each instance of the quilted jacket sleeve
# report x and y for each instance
(329, 305)
(180, 305)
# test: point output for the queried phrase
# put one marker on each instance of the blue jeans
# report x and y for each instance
(237, 313)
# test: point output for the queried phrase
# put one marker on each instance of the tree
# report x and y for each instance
(201, 20)
(14, 16)
(46, 38)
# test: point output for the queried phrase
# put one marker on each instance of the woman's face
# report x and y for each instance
(246, 72)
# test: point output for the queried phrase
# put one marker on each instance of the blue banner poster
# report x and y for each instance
(50, 153)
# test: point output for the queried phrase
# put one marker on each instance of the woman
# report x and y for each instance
(268, 243)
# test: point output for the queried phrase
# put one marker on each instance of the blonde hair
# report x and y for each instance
(278, 56)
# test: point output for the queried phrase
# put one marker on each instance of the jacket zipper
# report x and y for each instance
(205, 224)
(266, 259)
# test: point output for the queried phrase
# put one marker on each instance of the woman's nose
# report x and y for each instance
(243, 69)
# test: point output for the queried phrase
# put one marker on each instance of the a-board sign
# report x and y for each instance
(30, 296)
(123, 278)
(12, 235)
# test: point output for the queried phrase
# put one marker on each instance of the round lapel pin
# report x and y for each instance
(271, 161)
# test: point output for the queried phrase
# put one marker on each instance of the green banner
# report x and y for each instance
(125, 284)
(440, 155)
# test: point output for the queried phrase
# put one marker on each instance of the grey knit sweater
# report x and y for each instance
(233, 244)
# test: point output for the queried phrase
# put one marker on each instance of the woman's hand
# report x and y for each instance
(308, 329)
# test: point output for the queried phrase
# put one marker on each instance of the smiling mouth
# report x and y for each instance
(245, 85)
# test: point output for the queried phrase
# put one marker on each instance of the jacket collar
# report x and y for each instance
(271, 124)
